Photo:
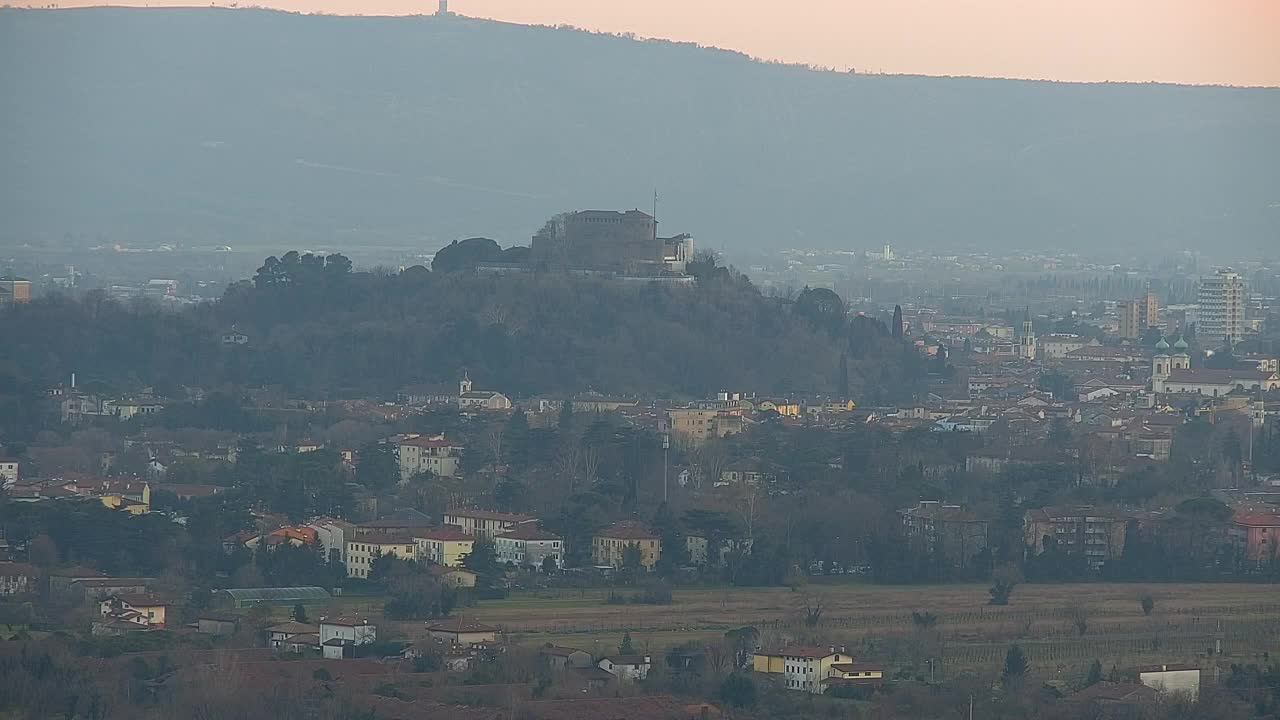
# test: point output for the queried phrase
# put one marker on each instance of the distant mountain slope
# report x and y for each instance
(257, 127)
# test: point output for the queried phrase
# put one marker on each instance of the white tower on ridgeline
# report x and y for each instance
(464, 387)
(443, 10)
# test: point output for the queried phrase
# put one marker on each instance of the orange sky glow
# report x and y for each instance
(1227, 42)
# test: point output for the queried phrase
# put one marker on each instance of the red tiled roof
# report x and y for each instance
(1257, 520)
(802, 651)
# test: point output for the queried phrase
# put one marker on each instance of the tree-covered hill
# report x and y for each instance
(320, 330)
(246, 127)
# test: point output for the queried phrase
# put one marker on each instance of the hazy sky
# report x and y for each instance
(1187, 41)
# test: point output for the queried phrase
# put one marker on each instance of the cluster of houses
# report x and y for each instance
(518, 541)
(1250, 537)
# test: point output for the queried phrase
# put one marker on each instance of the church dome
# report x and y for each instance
(1181, 344)
(1162, 346)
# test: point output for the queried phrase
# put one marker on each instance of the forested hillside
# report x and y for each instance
(255, 128)
(320, 330)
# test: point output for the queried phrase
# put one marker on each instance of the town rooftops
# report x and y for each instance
(13, 569)
(1167, 668)
(1257, 520)
(857, 667)
(489, 515)
(444, 533)
(292, 628)
(345, 621)
(431, 442)
(558, 650)
(627, 659)
(393, 523)
(801, 651)
(142, 600)
(381, 539)
(628, 530)
(529, 532)
(1110, 692)
(1209, 376)
(459, 625)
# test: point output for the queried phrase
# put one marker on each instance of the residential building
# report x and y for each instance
(749, 471)
(457, 631)
(1183, 680)
(128, 408)
(446, 546)
(436, 455)
(17, 578)
(528, 544)
(405, 521)
(8, 472)
(332, 534)
(695, 426)
(1130, 312)
(1221, 311)
(340, 634)
(1257, 535)
(213, 622)
(949, 530)
(235, 338)
(802, 668)
(785, 408)
(14, 291)
(279, 635)
(627, 668)
(363, 549)
(1150, 307)
(1058, 345)
(1098, 534)
(853, 674)
(609, 546)
(486, 524)
(144, 608)
(453, 576)
(562, 658)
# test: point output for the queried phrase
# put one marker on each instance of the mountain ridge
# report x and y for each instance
(259, 127)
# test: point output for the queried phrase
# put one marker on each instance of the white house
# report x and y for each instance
(339, 634)
(528, 545)
(1215, 382)
(235, 338)
(627, 668)
(435, 454)
(8, 472)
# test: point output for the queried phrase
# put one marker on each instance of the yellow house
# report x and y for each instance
(803, 669)
(457, 631)
(142, 609)
(609, 546)
(133, 496)
(454, 576)
(785, 408)
(362, 550)
(445, 546)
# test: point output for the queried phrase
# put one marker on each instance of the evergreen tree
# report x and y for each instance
(566, 415)
(1095, 674)
(1015, 665)
(896, 329)
(626, 647)
(300, 613)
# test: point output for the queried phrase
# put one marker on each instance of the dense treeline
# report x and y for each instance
(320, 330)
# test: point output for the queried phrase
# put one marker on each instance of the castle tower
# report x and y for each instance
(464, 387)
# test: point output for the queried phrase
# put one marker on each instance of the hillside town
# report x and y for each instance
(621, 554)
